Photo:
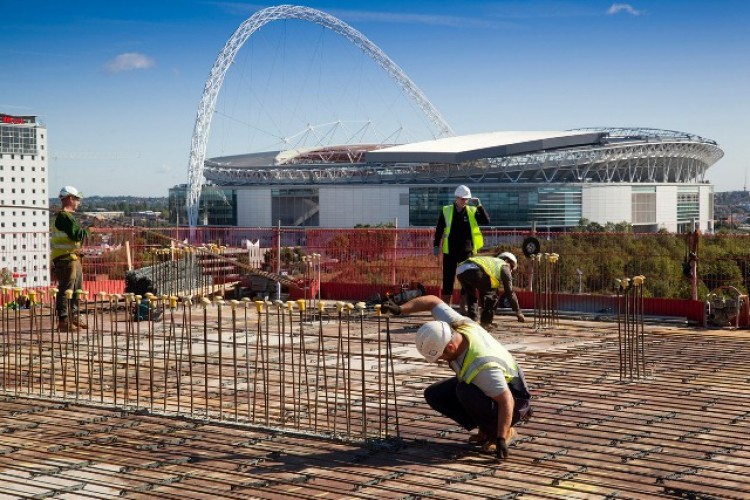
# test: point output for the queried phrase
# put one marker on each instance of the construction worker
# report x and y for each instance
(484, 274)
(457, 235)
(65, 247)
(489, 390)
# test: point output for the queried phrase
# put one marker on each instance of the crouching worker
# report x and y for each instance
(488, 392)
(484, 275)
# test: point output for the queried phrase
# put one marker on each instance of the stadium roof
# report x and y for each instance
(463, 148)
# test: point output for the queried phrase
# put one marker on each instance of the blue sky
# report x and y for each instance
(118, 83)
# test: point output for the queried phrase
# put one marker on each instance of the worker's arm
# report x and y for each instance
(420, 304)
(505, 404)
(507, 278)
(66, 223)
(482, 216)
(439, 230)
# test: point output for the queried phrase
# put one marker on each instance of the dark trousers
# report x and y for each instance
(469, 407)
(473, 282)
(450, 263)
(69, 276)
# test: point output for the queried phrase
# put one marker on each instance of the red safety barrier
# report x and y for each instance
(356, 263)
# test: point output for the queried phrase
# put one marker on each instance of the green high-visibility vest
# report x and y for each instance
(477, 241)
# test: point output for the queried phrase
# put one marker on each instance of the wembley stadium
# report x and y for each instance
(653, 179)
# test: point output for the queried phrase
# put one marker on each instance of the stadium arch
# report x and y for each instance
(235, 43)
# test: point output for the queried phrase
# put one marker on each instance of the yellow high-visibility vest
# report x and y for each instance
(492, 267)
(60, 244)
(484, 352)
(477, 241)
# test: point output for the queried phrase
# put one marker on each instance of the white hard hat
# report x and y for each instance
(509, 256)
(432, 337)
(462, 192)
(70, 191)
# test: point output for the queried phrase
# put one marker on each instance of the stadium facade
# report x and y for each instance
(652, 179)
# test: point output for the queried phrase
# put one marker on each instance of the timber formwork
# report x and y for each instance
(346, 418)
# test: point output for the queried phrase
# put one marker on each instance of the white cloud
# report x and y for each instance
(616, 8)
(128, 62)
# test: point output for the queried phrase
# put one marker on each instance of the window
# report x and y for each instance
(643, 203)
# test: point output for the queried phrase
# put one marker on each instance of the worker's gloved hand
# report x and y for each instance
(435, 251)
(391, 307)
(521, 318)
(501, 448)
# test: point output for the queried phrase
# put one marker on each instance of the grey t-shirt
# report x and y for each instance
(491, 381)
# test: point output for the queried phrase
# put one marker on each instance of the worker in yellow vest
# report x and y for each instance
(489, 390)
(65, 247)
(483, 275)
(457, 235)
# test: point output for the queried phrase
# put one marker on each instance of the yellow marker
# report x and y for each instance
(301, 304)
(377, 309)
(172, 302)
(205, 302)
(32, 296)
(339, 306)
(259, 306)
(321, 306)
(68, 294)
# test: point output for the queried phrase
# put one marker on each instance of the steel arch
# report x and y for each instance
(235, 43)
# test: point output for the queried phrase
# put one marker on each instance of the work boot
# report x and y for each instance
(480, 438)
(491, 447)
(462, 304)
(79, 322)
(63, 325)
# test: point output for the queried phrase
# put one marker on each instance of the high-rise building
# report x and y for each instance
(24, 205)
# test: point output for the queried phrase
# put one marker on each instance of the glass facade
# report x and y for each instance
(296, 207)
(18, 139)
(508, 205)
(217, 207)
(688, 208)
(688, 204)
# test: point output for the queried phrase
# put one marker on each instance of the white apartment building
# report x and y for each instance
(24, 205)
